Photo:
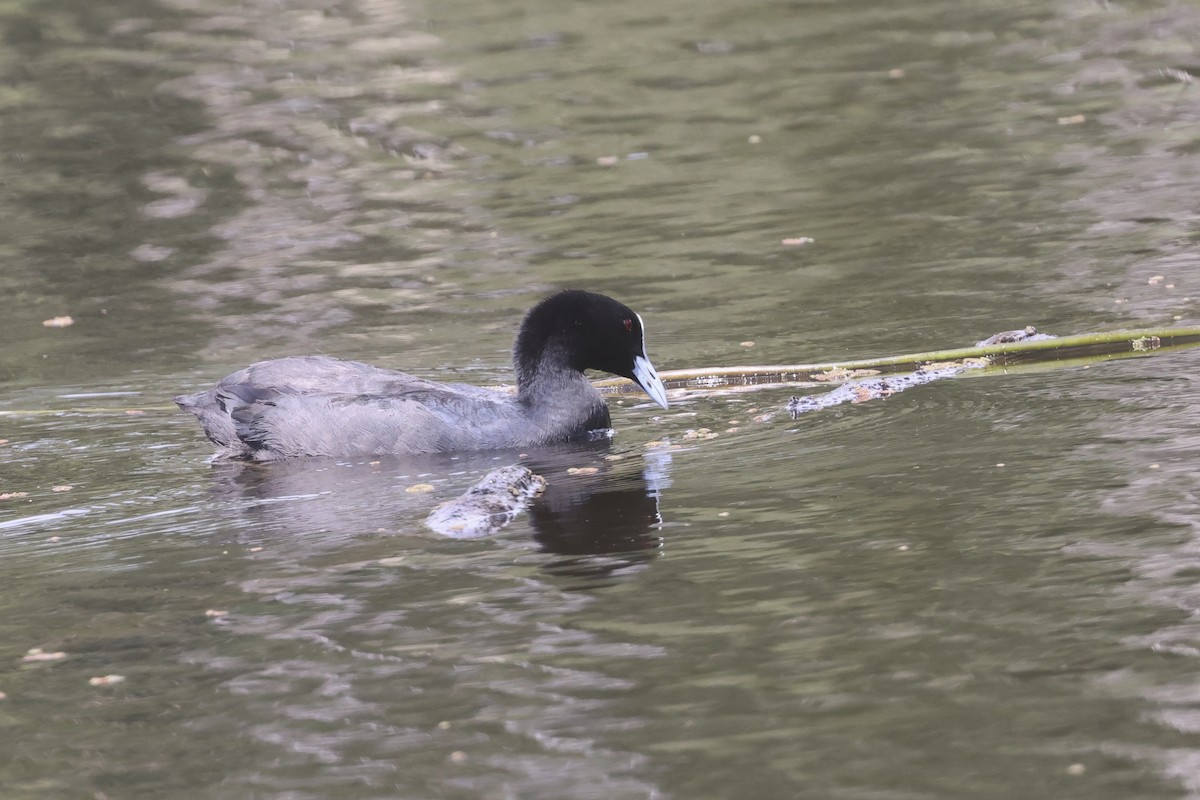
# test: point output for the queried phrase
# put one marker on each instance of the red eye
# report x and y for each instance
(628, 326)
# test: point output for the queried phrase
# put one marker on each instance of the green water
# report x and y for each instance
(980, 588)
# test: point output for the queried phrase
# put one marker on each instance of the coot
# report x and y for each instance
(320, 406)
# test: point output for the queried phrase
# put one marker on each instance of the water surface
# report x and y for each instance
(982, 587)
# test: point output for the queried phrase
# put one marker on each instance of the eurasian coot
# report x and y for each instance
(320, 406)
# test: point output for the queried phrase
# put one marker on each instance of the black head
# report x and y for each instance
(583, 330)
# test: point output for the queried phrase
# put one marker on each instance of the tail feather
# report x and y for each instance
(209, 407)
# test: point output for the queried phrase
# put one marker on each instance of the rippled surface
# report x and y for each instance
(982, 587)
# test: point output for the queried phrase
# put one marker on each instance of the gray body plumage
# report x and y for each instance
(320, 406)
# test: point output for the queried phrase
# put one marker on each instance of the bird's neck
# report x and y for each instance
(576, 404)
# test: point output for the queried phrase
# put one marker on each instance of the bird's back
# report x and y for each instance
(319, 406)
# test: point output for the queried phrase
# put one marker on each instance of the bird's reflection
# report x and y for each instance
(604, 522)
(600, 510)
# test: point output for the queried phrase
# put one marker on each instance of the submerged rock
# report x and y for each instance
(862, 390)
(862, 385)
(489, 505)
(1026, 334)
